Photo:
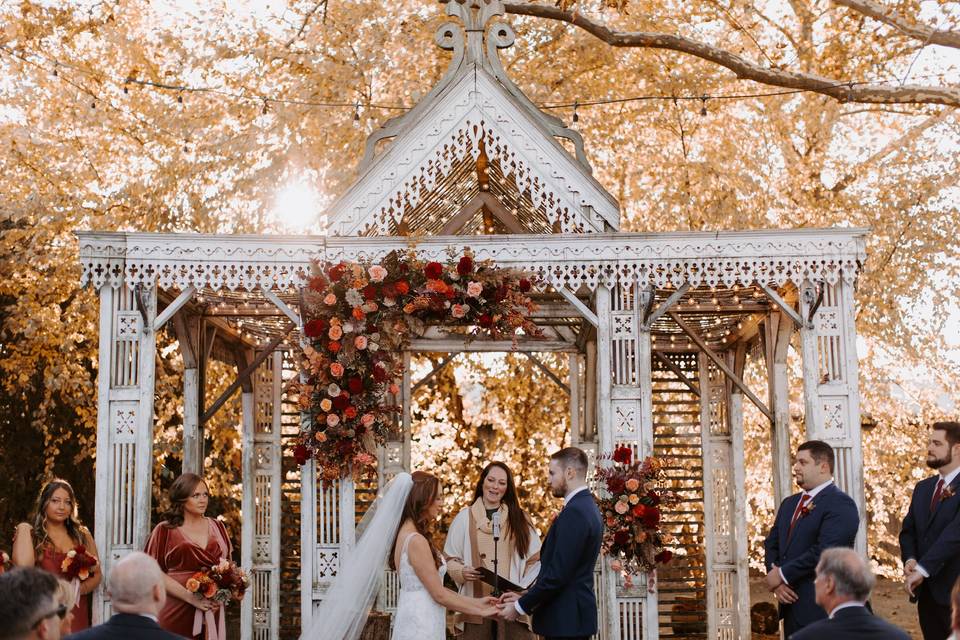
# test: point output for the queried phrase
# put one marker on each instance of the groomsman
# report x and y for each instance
(818, 518)
(930, 538)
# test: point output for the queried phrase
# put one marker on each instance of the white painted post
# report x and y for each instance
(573, 376)
(248, 507)
(144, 438)
(778, 330)
(103, 522)
(709, 390)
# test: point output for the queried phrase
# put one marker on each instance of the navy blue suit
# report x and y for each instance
(832, 521)
(125, 626)
(933, 540)
(561, 601)
(851, 623)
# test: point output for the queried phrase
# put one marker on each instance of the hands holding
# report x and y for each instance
(911, 577)
(781, 590)
(504, 607)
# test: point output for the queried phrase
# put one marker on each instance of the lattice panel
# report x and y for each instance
(719, 423)
(721, 472)
(624, 330)
(834, 417)
(631, 618)
(843, 471)
(828, 323)
(263, 397)
(626, 423)
(328, 513)
(124, 493)
(725, 604)
(127, 325)
(327, 562)
(260, 581)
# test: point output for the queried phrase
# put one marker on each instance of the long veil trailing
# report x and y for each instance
(345, 607)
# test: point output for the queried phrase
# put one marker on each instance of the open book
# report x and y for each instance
(488, 577)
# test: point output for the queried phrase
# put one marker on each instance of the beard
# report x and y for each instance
(559, 492)
(936, 463)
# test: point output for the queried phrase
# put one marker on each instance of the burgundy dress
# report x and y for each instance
(180, 558)
(51, 561)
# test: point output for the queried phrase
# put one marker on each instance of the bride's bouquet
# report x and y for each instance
(223, 583)
(78, 564)
(631, 509)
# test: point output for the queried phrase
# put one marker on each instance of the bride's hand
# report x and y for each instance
(489, 607)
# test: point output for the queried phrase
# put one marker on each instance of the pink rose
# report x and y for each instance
(330, 299)
(621, 507)
(367, 419)
(458, 311)
(474, 289)
(336, 369)
(333, 420)
(360, 342)
(633, 484)
(377, 273)
(335, 332)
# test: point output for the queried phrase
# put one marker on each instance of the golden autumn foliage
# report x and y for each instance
(172, 116)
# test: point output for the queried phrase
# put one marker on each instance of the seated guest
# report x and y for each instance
(955, 616)
(67, 596)
(843, 585)
(137, 594)
(28, 605)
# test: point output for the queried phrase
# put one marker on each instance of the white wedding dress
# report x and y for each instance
(418, 616)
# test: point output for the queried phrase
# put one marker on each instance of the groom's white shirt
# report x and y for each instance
(566, 501)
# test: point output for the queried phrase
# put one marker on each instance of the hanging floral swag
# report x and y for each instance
(360, 316)
(633, 536)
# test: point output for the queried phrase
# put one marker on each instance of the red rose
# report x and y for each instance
(664, 556)
(651, 517)
(336, 272)
(616, 485)
(334, 347)
(379, 374)
(355, 384)
(621, 537)
(318, 283)
(315, 328)
(433, 270)
(403, 287)
(340, 403)
(301, 454)
(639, 510)
(485, 320)
(623, 455)
(389, 291)
(524, 285)
(465, 265)
(350, 413)
(501, 293)
(652, 499)
(370, 292)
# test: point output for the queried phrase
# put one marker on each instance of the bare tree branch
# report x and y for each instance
(841, 90)
(306, 21)
(890, 17)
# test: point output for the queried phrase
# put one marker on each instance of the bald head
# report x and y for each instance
(843, 575)
(136, 584)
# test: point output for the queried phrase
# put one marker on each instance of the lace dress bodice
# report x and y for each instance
(418, 616)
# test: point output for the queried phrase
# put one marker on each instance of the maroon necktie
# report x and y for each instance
(799, 510)
(935, 501)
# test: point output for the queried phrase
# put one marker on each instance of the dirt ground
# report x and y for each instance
(889, 601)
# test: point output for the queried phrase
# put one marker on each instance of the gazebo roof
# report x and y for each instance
(474, 133)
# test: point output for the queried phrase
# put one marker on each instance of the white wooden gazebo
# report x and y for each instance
(657, 328)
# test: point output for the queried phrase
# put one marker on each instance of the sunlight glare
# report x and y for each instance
(297, 207)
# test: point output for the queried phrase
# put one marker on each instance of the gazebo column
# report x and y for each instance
(188, 331)
(124, 425)
(777, 331)
(830, 383)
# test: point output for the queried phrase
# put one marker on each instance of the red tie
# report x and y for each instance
(935, 502)
(796, 514)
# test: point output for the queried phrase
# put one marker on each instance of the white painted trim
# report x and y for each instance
(282, 306)
(185, 296)
(584, 310)
(788, 309)
(103, 525)
(249, 510)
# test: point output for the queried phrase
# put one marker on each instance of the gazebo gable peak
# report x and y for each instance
(474, 109)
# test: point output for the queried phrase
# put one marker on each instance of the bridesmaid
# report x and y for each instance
(55, 531)
(186, 542)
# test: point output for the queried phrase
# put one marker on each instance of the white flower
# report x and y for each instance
(333, 390)
(354, 299)
(348, 327)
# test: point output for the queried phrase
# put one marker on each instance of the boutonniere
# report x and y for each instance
(947, 492)
(807, 508)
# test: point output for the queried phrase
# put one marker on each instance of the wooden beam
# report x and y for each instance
(669, 302)
(677, 371)
(473, 345)
(280, 304)
(185, 296)
(550, 374)
(584, 310)
(425, 379)
(267, 350)
(717, 360)
(783, 304)
(478, 203)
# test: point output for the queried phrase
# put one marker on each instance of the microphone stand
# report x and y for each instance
(496, 569)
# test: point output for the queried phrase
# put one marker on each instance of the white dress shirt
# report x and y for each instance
(566, 501)
(947, 481)
(813, 494)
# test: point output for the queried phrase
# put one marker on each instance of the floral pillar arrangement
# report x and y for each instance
(358, 319)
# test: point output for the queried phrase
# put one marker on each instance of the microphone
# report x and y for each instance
(496, 525)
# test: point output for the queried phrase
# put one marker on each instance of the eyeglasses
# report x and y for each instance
(60, 612)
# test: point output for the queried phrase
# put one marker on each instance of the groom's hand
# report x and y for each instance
(509, 598)
(508, 612)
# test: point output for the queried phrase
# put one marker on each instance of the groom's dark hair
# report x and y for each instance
(572, 457)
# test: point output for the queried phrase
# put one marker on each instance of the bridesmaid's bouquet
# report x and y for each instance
(78, 564)
(224, 582)
(4, 561)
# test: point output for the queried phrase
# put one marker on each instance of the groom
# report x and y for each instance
(561, 600)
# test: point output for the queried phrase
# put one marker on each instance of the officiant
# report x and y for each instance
(492, 536)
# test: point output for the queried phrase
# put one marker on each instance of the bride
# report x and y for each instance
(399, 523)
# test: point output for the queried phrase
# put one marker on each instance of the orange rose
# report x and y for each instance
(336, 369)
(210, 589)
(192, 585)
(358, 313)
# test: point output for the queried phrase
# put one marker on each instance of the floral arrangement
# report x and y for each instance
(78, 564)
(631, 512)
(224, 583)
(4, 561)
(359, 316)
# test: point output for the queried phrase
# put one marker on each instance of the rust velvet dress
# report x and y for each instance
(51, 561)
(180, 557)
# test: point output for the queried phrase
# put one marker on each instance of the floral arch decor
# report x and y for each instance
(358, 319)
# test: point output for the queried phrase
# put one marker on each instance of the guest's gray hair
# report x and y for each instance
(132, 579)
(851, 574)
